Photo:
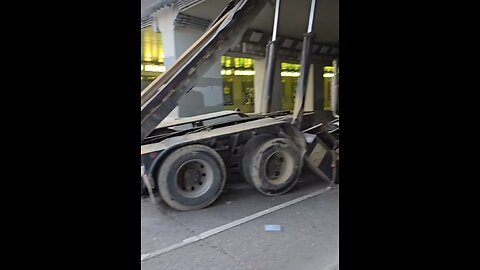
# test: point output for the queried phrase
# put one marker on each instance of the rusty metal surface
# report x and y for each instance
(186, 120)
(207, 133)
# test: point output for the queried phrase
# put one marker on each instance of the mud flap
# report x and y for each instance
(146, 180)
(319, 158)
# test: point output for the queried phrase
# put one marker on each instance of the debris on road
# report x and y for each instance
(273, 228)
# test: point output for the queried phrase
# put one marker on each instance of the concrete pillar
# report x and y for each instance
(207, 95)
(319, 92)
(259, 79)
(310, 94)
(277, 93)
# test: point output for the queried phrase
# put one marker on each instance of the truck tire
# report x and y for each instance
(191, 177)
(248, 150)
(273, 166)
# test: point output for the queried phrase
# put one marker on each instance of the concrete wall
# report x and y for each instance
(319, 93)
(207, 95)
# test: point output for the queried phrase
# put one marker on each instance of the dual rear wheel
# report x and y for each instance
(271, 165)
(193, 177)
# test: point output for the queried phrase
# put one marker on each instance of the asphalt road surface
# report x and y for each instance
(236, 237)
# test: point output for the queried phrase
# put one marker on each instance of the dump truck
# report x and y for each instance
(187, 161)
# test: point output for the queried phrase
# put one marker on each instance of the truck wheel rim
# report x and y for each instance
(194, 178)
(278, 167)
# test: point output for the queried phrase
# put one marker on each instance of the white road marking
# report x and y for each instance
(230, 225)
